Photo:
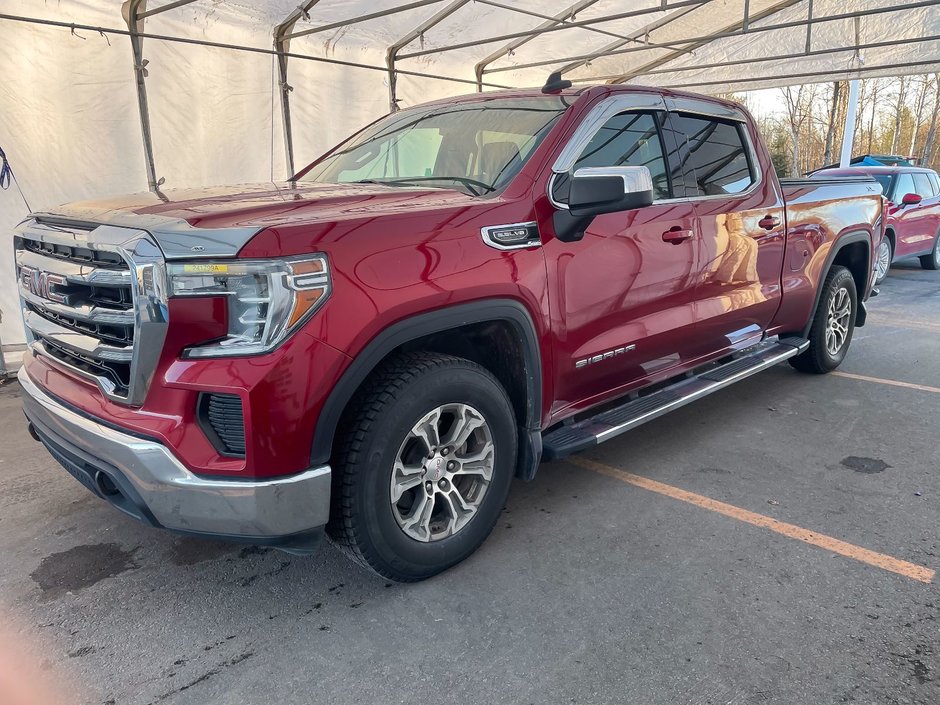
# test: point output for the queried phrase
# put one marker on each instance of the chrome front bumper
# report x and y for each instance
(145, 480)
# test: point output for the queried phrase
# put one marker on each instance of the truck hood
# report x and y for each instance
(219, 221)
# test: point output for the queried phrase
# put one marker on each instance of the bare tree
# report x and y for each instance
(799, 104)
(876, 86)
(898, 113)
(924, 82)
(831, 126)
(932, 130)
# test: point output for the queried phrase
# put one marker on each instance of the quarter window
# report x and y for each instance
(627, 139)
(717, 161)
(935, 182)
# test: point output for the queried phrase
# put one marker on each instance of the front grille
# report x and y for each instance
(78, 255)
(78, 295)
(223, 422)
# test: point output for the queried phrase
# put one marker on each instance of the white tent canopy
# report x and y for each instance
(99, 98)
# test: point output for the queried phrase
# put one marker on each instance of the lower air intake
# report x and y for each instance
(222, 419)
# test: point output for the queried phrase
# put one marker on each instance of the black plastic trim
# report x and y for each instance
(837, 246)
(425, 324)
(208, 430)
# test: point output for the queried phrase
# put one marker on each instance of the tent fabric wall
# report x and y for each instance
(68, 108)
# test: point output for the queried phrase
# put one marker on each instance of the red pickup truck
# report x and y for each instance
(460, 290)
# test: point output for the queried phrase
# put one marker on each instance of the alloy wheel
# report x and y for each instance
(442, 472)
(884, 259)
(837, 324)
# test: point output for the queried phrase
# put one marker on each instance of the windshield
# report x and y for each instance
(477, 147)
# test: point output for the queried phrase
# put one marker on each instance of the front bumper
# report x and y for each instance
(145, 480)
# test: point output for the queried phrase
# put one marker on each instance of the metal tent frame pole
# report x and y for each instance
(706, 38)
(134, 12)
(282, 34)
(566, 25)
(391, 54)
(509, 48)
(848, 134)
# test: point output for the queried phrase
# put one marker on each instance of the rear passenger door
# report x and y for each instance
(739, 221)
(911, 223)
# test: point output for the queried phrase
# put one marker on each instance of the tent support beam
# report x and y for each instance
(558, 19)
(720, 35)
(848, 133)
(641, 32)
(164, 8)
(790, 79)
(392, 53)
(134, 25)
(281, 47)
(363, 18)
(567, 25)
(760, 59)
(237, 47)
(539, 15)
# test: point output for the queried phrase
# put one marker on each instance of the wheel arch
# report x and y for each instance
(893, 238)
(446, 330)
(852, 251)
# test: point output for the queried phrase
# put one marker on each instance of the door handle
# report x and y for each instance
(676, 235)
(769, 222)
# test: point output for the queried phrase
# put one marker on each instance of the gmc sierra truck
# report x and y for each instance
(459, 291)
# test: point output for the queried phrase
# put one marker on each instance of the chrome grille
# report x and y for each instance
(94, 302)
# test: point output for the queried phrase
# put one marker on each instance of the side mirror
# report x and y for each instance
(593, 191)
(911, 199)
(609, 189)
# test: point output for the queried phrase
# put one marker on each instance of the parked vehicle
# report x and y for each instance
(456, 292)
(912, 227)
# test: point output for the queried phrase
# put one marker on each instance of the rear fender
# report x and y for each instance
(840, 244)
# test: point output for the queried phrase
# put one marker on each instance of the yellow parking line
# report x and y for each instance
(890, 382)
(879, 560)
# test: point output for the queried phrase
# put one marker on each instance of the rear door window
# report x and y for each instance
(923, 185)
(717, 160)
(903, 186)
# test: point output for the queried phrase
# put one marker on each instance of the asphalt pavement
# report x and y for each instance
(625, 579)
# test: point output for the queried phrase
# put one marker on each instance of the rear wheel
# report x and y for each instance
(883, 263)
(932, 261)
(424, 466)
(833, 324)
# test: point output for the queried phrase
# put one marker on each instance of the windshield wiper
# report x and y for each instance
(469, 183)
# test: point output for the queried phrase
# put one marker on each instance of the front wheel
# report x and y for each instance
(883, 263)
(424, 466)
(833, 324)
(932, 261)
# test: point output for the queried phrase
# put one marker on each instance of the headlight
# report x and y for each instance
(266, 299)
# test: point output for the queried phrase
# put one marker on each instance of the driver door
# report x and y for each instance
(622, 298)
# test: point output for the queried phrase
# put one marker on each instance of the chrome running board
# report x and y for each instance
(575, 437)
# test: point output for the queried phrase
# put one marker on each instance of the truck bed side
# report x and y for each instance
(827, 220)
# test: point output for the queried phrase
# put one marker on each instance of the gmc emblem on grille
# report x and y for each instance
(39, 283)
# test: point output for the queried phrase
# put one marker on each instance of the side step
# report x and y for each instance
(576, 437)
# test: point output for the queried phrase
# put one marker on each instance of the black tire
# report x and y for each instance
(817, 358)
(363, 522)
(932, 261)
(885, 243)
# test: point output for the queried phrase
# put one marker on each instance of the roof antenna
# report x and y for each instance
(555, 83)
